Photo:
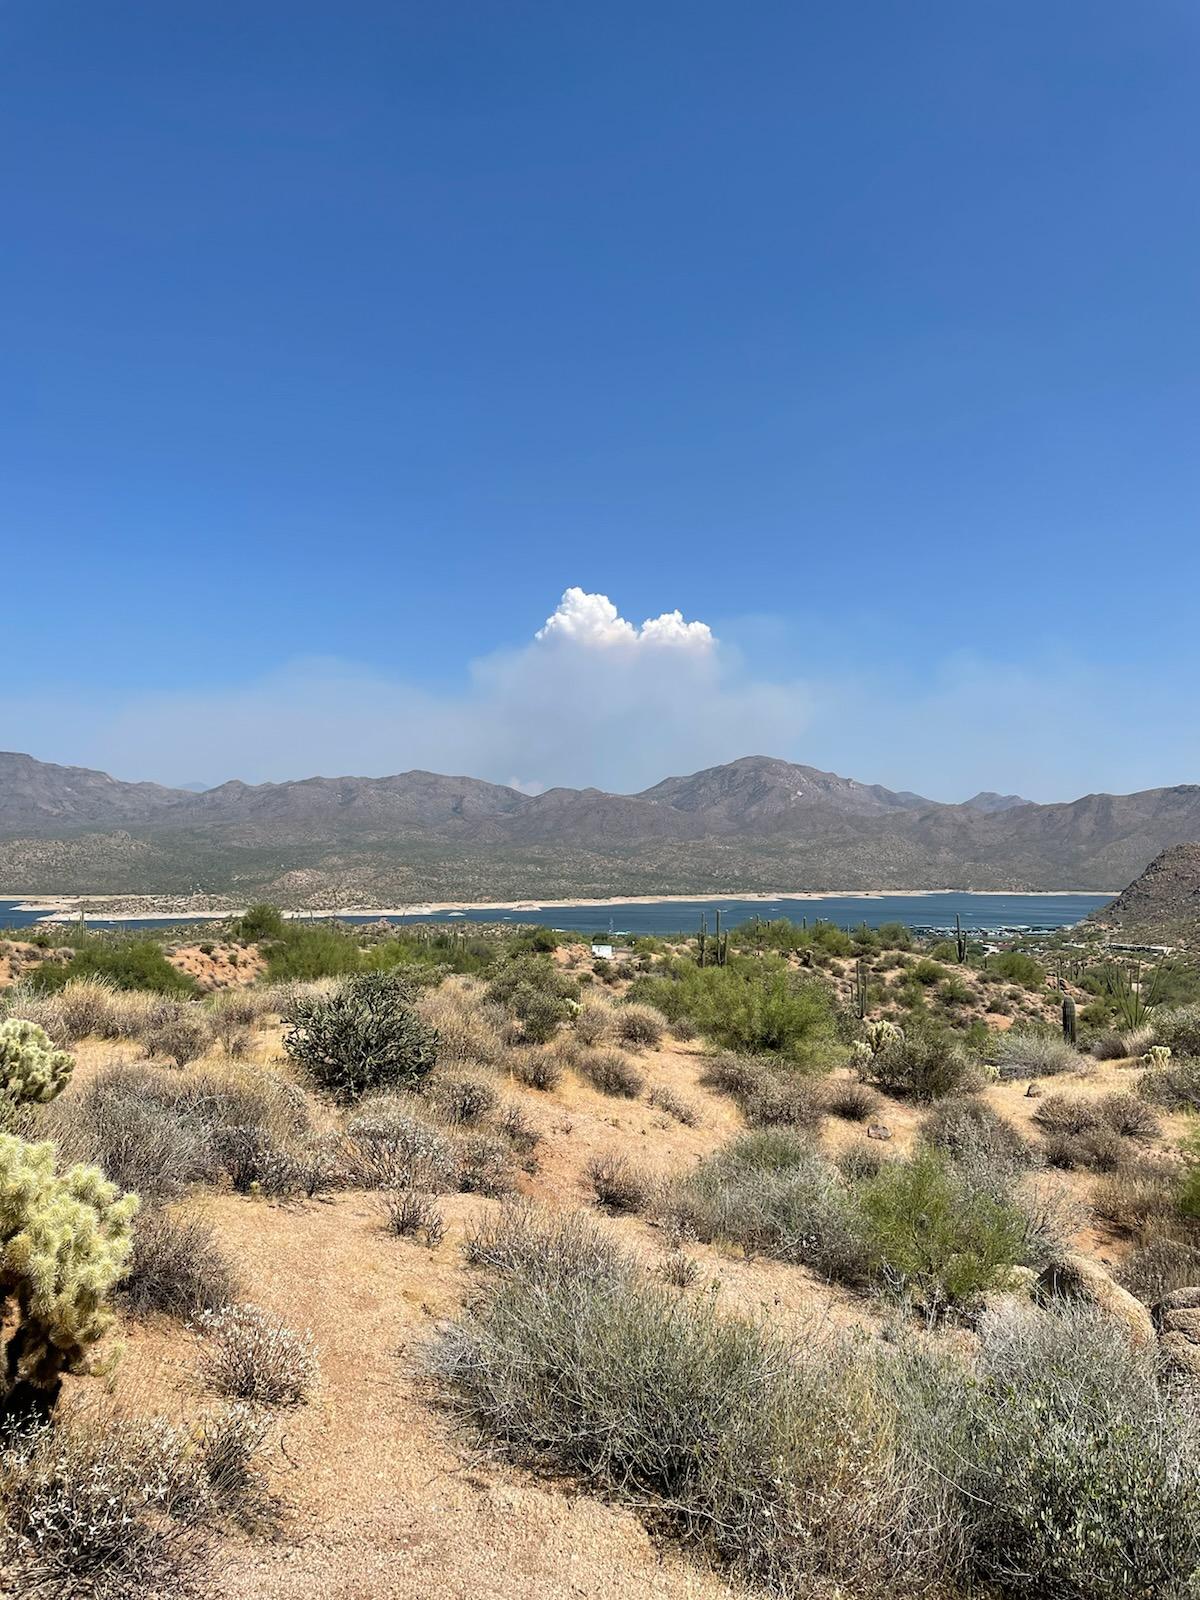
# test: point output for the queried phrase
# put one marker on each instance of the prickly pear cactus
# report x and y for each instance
(31, 1069)
(65, 1239)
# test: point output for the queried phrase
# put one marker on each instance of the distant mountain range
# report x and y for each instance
(753, 824)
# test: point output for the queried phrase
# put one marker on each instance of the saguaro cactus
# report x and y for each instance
(1069, 1023)
(64, 1242)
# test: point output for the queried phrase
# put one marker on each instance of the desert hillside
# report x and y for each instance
(373, 1166)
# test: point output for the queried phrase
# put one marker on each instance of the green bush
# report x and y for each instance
(753, 1005)
(923, 1062)
(935, 1238)
(366, 1035)
(1078, 1471)
(259, 923)
(1179, 1029)
(124, 963)
(717, 1428)
(1014, 966)
(311, 950)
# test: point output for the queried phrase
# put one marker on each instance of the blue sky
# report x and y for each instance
(339, 341)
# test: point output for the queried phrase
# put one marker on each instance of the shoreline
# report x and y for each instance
(67, 908)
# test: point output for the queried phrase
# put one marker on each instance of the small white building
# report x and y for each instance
(602, 952)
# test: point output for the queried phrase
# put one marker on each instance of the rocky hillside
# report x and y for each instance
(753, 824)
(1162, 906)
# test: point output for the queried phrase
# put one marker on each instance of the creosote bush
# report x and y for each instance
(250, 1354)
(639, 1027)
(536, 1069)
(365, 1035)
(922, 1062)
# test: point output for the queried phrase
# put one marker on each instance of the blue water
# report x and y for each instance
(984, 913)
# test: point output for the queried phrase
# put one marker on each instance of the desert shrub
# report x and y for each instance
(536, 1069)
(157, 1131)
(678, 1269)
(716, 1427)
(1155, 1269)
(388, 1148)
(182, 1038)
(752, 1005)
(1099, 1149)
(1130, 1116)
(934, 1237)
(103, 1505)
(1067, 1113)
(1175, 1087)
(308, 950)
(460, 1098)
(536, 992)
(249, 1354)
(922, 1062)
(859, 1161)
(1014, 966)
(485, 1166)
(87, 1009)
(595, 1022)
(468, 1028)
(663, 1099)
(768, 1093)
(1080, 1474)
(1178, 1029)
(851, 1100)
(1140, 1203)
(771, 1192)
(617, 1184)
(517, 1237)
(1034, 1053)
(253, 1160)
(364, 1036)
(1108, 1046)
(65, 1240)
(611, 1073)
(121, 961)
(412, 1214)
(968, 1129)
(640, 1027)
(258, 924)
(177, 1269)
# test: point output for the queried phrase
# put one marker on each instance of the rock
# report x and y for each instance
(1177, 1300)
(1185, 1321)
(1180, 1355)
(1078, 1278)
(879, 1130)
(1034, 1090)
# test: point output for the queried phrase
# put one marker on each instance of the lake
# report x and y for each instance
(981, 913)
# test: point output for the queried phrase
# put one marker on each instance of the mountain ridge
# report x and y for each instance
(757, 823)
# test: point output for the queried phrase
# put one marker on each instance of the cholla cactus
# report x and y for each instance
(64, 1241)
(881, 1034)
(31, 1069)
(861, 1055)
(1158, 1055)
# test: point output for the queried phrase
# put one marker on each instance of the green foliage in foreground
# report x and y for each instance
(366, 1035)
(915, 1228)
(1051, 1465)
(752, 1005)
(123, 961)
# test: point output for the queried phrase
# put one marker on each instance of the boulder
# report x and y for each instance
(1180, 1355)
(879, 1130)
(1185, 1321)
(1075, 1277)
(1177, 1300)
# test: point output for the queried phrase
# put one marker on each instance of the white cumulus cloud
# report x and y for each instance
(593, 620)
